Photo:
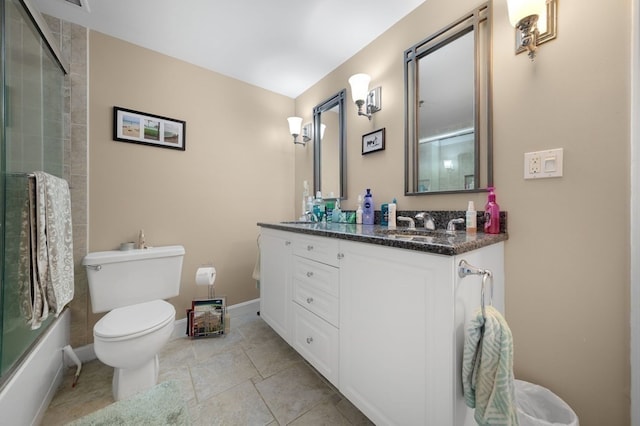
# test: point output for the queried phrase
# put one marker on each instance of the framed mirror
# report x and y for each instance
(330, 151)
(448, 129)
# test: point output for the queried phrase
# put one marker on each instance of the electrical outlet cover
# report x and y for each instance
(543, 164)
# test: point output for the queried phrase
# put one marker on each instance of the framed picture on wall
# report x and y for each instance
(148, 129)
(373, 141)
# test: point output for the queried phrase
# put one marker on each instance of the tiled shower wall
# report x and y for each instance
(73, 43)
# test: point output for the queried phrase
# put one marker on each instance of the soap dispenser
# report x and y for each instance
(336, 213)
(319, 207)
(492, 214)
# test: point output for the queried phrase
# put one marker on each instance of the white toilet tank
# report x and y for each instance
(122, 278)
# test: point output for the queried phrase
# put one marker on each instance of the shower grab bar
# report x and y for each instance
(465, 269)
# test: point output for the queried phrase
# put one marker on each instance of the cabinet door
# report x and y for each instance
(275, 280)
(317, 341)
(396, 334)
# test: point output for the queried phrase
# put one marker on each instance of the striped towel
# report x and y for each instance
(487, 369)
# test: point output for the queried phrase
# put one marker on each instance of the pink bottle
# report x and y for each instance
(492, 214)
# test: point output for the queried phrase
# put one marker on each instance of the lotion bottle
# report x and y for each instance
(392, 214)
(368, 212)
(492, 214)
(359, 210)
(472, 226)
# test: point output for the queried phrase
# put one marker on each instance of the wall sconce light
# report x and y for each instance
(535, 22)
(448, 165)
(367, 101)
(295, 125)
(307, 132)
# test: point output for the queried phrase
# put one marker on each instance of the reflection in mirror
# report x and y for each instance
(448, 108)
(329, 160)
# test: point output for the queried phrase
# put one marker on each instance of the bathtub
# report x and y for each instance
(26, 396)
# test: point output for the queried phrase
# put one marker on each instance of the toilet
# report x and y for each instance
(130, 286)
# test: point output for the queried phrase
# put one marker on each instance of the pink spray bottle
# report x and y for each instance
(491, 214)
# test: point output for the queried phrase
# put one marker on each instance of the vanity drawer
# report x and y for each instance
(320, 276)
(320, 249)
(325, 306)
(317, 341)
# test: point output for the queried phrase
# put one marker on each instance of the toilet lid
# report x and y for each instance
(134, 319)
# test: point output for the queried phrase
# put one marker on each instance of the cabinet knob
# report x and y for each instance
(287, 243)
(309, 340)
(309, 274)
(340, 256)
(309, 247)
(309, 299)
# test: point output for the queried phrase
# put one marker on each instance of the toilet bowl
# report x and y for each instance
(129, 339)
(130, 286)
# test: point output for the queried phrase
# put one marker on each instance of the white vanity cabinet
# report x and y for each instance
(386, 325)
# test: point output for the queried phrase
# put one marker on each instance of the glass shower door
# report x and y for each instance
(32, 139)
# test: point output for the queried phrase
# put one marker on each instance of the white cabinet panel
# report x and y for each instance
(396, 328)
(275, 280)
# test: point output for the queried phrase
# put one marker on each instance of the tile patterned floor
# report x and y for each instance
(248, 377)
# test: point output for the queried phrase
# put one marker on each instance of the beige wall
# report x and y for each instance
(567, 258)
(237, 169)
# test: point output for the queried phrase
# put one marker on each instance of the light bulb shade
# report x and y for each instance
(519, 9)
(295, 124)
(359, 86)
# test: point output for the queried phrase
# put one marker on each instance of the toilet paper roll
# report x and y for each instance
(205, 275)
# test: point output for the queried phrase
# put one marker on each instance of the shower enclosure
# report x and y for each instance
(32, 91)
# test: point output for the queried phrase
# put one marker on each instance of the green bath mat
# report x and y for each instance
(161, 405)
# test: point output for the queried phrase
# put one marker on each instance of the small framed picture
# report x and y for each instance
(373, 141)
(148, 129)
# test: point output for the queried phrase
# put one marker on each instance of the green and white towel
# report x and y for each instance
(487, 369)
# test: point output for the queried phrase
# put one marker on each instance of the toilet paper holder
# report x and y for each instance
(206, 275)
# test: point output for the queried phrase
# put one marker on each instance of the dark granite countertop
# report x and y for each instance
(438, 241)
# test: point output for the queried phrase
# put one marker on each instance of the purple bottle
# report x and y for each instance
(491, 214)
(368, 212)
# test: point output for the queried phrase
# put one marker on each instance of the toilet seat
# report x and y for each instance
(135, 320)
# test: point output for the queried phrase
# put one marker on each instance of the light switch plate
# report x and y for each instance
(543, 164)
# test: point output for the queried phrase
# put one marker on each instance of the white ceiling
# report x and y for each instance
(284, 46)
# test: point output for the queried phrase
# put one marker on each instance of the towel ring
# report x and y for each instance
(464, 269)
(487, 275)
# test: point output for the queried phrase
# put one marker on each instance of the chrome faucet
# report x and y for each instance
(412, 223)
(311, 216)
(429, 223)
(451, 226)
